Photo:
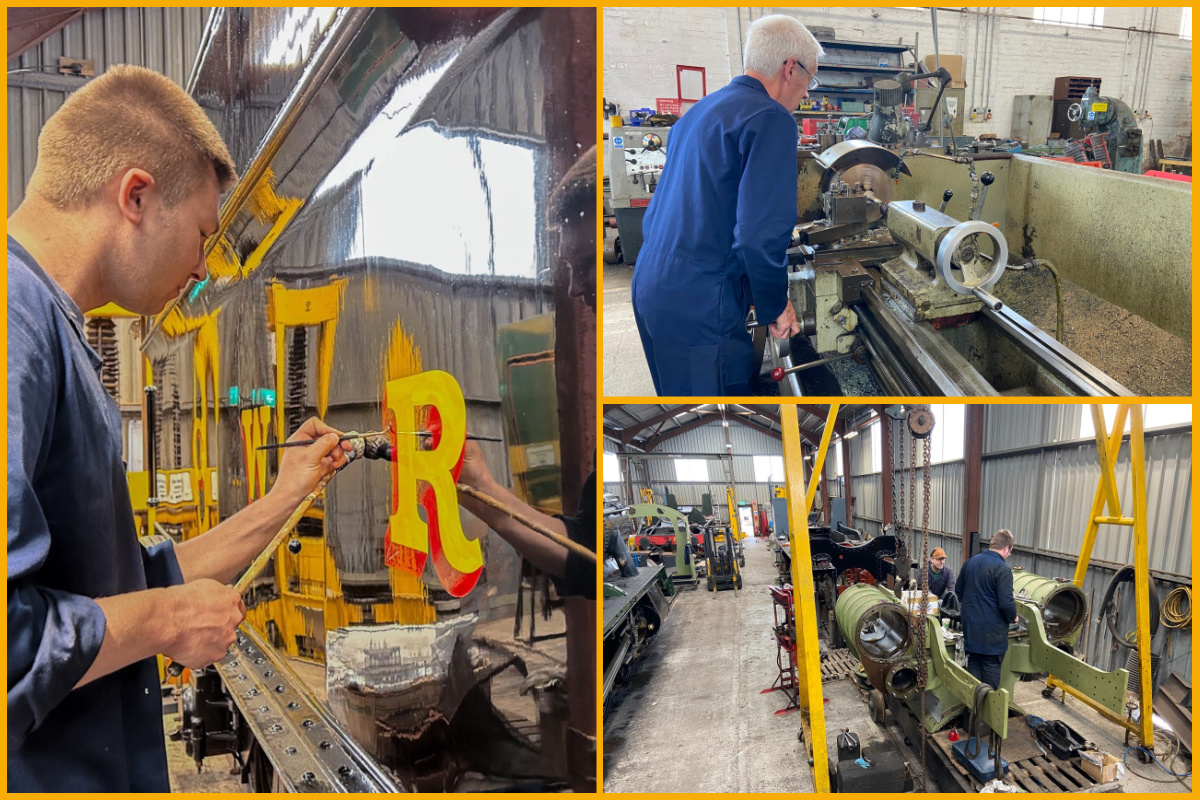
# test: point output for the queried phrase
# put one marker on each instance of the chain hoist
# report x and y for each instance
(898, 520)
(920, 425)
(912, 505)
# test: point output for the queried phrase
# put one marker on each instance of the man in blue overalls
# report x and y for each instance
(985, 589)
(718, 229)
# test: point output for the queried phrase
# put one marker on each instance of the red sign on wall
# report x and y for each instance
(667, 105)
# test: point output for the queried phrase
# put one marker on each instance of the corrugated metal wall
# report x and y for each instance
(1010, 427)
(1043, 493)
(163, 39)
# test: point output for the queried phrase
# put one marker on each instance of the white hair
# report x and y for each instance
(774, 39)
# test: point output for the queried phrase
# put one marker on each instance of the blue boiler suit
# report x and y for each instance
(716, 239)
(71, 538)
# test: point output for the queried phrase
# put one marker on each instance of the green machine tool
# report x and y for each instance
(879, 630)
(684, 571)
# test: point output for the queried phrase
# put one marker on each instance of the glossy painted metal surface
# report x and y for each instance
(391, 220)
(1062, 603)
(875, 625)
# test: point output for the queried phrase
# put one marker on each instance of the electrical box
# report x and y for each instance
(955, 101)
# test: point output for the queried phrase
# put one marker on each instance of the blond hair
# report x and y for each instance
(128, 117)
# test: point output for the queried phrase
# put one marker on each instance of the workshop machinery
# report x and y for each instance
(894, 295)
(636, 600)
(1111, 132)
(914, 665)
(659, 534)
(330, 295)
(670, 544)
(723, 558)
(890, 124)
(880, 630)
(635, 156)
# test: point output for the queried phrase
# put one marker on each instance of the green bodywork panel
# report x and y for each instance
(955, 687)
(1106, 688)
(679, 523)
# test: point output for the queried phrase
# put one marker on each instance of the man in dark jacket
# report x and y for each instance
(941, 577)
(985, 589)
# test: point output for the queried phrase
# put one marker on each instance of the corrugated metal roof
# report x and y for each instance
(632, 417)
(162, 39)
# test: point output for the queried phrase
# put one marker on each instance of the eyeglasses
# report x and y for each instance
(813, 82)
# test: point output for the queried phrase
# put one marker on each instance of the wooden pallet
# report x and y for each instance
(1040, 773)
(1048, 774)
(837, 664)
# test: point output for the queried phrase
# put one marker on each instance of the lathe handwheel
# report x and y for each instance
(1074, 112)
(949, 246)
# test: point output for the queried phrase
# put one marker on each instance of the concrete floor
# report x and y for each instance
(693, 718)
(1144, 358)
(625, 370)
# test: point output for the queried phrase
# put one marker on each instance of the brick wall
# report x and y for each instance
(643, 45)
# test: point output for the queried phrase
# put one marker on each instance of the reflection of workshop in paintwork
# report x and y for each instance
(972, 217)
(419, 614)
(895, 598)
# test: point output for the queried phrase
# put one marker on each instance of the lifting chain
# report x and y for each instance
(912, 501)
(923, 614)
(898, 490)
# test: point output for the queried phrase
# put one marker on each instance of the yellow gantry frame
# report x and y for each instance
(808, 658)
(1107, 448)
(733, 520)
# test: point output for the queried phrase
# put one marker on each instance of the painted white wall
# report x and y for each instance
(643, 45)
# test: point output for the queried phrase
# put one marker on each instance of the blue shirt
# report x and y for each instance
(985, 588)
(71, 538)
(719, 225)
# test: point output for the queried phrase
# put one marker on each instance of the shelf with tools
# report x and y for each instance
(852, 67)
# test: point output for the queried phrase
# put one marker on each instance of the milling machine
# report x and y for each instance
(901, 288)
(1112, 130)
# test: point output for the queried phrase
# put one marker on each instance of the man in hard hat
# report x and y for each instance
(718, 229)
(985, 589)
